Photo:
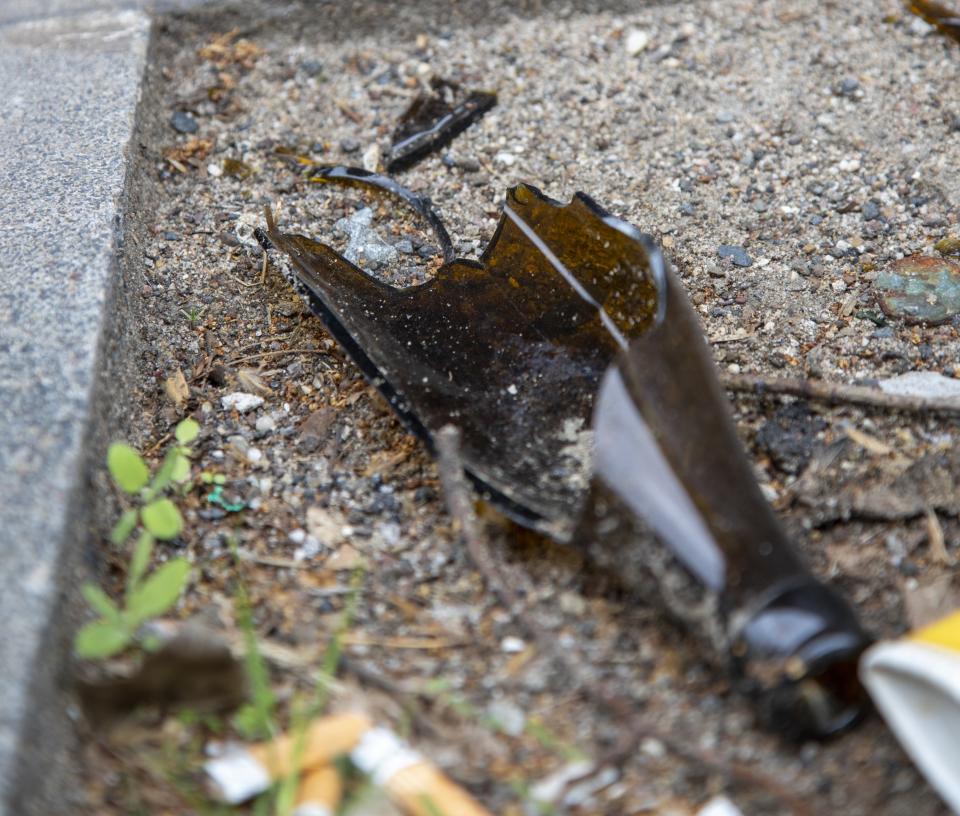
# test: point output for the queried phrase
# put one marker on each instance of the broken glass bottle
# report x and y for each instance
(433, 120)
(571, 320)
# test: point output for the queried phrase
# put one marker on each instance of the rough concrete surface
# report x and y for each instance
(71, 86)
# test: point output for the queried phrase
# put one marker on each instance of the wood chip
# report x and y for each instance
(868, 443)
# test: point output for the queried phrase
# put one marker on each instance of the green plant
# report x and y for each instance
(193, 314)
(147, 595)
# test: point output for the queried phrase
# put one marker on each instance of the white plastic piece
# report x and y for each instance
(916, 687)
(381, 754)
(719, 806)
(236, 776)
(311, 809)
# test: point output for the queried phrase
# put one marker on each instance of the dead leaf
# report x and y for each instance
(346, 557)
(249, 380)
(177, 388)
(325, 526)
(930, 601)
(938, 547)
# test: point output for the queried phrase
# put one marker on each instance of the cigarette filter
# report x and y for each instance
(319, 793)
(242, 772)
(416, 786)
(915, 683)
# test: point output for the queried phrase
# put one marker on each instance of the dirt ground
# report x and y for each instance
(778, 127)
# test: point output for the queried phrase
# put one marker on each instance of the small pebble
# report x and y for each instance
(870, 211)
(240, 401)
(725, 117)
(265, 425)
(349, 145)
(512, 645)
(311, 67)
(849, 86)
(737, 254)
(183, 122)
(637, 40)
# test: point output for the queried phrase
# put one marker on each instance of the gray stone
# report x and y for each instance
(737, 254)
(183, 122)
(72, 86)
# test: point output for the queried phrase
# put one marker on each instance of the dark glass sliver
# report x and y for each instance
(571, 320)
(431, 122)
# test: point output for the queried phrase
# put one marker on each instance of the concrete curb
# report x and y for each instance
(73, 82)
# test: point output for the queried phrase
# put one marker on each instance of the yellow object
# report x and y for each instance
(944, 632)
(324, 740)
(319, 792)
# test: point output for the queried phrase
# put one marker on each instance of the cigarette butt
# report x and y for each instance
(242, 772)
(319, 793)
(416, 786)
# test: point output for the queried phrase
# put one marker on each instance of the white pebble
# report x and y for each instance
(265, 425)
(371, 158)
(734, 368)
(297, 536)
(240, 401)
(512, 645)
(254, 455)
(505, 158)
(214, 170)
(637, 40)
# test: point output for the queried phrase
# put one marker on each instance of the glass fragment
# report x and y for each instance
(590, 410)
(432, 121)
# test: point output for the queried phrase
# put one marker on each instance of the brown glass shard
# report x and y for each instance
(433, 120)
(668, 462)
(947, 21)
(510, 348)
(569, 321)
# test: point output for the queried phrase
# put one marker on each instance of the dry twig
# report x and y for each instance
(838, 393)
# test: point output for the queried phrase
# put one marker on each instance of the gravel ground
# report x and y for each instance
(814, 138)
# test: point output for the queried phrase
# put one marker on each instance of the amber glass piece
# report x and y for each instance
(432, 121)
(668, 461)
(571, 320)
(946, 20)
(509, 348)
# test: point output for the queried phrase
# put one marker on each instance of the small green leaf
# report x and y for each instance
(164, 474)
(187, 430)
(100, 602)
(127, 468)
(159, 592)
(181, 468)
(122, 529)
(162, 519)
(246, 721)
(100, 639)
(140, 559)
